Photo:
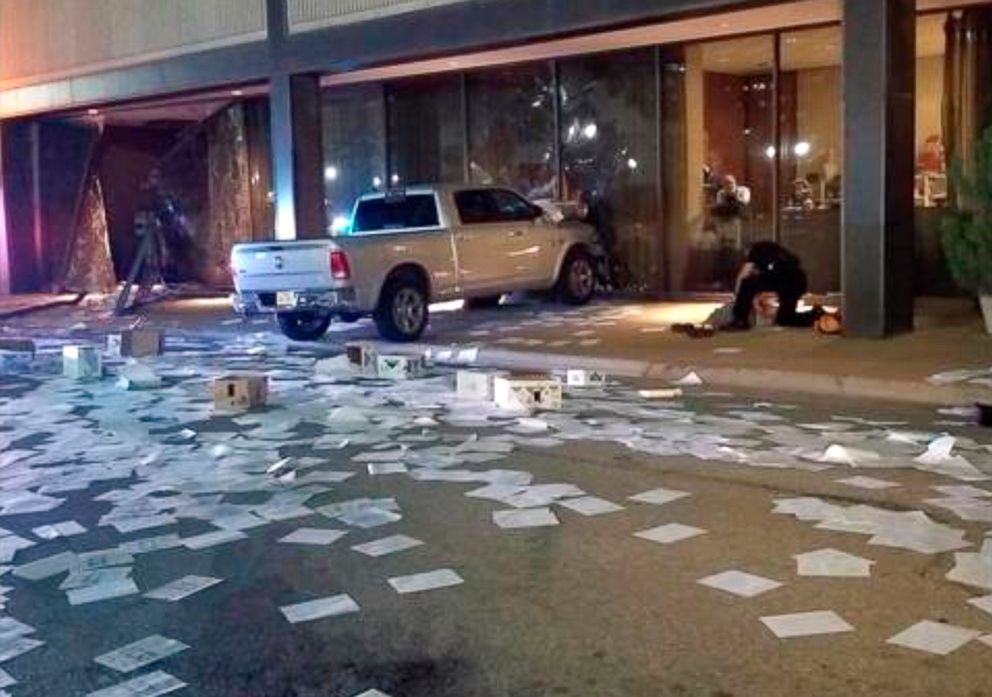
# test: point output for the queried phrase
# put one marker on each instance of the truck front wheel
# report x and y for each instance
(303, 326)
(402, 314)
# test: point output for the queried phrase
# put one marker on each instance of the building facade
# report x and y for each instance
(692, 127)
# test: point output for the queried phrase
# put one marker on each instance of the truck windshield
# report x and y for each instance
(414, 211)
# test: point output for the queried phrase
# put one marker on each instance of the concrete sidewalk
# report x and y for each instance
(21, 304)
(633, 340)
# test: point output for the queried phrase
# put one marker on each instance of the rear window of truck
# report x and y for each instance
(378, 214)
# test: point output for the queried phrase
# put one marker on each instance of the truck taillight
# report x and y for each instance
(340, 268)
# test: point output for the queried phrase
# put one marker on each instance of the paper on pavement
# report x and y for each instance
(670, 533)
(740, 583)
(387, 545)
(149, 685)
(313, 536)
(525, 518)
(141, 653)
(804, 624)
(934, 637)
(431, 580)
(182, 588)
(310, 610)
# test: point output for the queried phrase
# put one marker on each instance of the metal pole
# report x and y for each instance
(556, 101)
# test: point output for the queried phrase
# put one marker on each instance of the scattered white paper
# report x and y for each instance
(387, 545)
(431, 580)
(670, 533)
(934, 637)
(149, 685)
(525, 518)
(141, 653)
(690, 379)
(804, 624)
(590, 505)
(867, 483)
(659, 496)
(740, 583)
(182, 588)
(313, 536)
(310, 610)
(832, 563)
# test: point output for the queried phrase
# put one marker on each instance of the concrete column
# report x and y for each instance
(5, 271)
(297, 156)
(297, 146)
(879, 121)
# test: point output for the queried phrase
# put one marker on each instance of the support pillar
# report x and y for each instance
(5, 270)
(879, 122)
(297, 145)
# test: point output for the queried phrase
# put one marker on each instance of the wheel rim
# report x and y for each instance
(408, 310)
(580, 278)
(307, 322)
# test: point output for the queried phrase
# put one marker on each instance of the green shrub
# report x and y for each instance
(967, 230)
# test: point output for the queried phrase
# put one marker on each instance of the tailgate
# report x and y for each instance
(274, 266)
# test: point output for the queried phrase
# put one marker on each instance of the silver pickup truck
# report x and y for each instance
(407, 249)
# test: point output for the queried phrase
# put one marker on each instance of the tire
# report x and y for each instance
(350, 317)
(486, 302)
(577, 279)
(303, 326)
(403, 312)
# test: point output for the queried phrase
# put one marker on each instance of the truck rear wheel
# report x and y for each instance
(402, 314)
(303, 326)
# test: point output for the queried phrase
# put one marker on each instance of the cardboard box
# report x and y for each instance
(81, 362)
(393, 367)
(240, 391)
(16, 356)
(363, 355)
(474, 385)
(136, 343)
(584, 378)
(530, 392)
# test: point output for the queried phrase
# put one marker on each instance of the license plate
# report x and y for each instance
(286, 298)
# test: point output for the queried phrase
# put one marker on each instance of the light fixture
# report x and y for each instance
(93, 112)
(590, 131)
(395, 179)
(340, 224)
(770, 152)
(330, 173)
(632, 163)
(377, 182)
(801, 148)
(237, 93)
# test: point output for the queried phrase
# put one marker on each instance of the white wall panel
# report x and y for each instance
(305, 15)
(45, 39)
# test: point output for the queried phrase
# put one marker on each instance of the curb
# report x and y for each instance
(817, 384)
(27, 310)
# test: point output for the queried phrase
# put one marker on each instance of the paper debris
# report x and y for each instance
(525, 518)
(182, 588)
(310, 610)
(431, 580)
(963, 491)
(590, 505)
(934, 637)
(670, 533)
(387, 545)
(832, 563)
(938, 451)
(377, 468)
(313, 536)
(56, 530)
(984, 603)
(671, 393)
(17, 645)
(867, 483)
(806, 624)
(102, 591)
(150, 685)
(740, 583)
(212, 539)
(140, 653)
(972, 569)
(369, 517)
(659, 496)
(690, 379)
(372, 693)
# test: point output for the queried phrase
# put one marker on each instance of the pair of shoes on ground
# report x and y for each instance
(694, 331)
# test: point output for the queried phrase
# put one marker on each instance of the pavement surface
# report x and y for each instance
(583, 608)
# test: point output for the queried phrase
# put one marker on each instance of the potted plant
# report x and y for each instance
(967, 230)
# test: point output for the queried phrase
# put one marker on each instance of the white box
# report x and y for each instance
(581, 377)
(400, 367)
(81, 362)
(530, 392)
(136, 376)
(474, 385)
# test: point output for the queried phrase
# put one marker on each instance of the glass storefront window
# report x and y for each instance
(609, 152)
(354, 149)
(426, 130)
(810, 152)
(719, 112)
(511, 128)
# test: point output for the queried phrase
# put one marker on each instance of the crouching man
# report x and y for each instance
(771, 268)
